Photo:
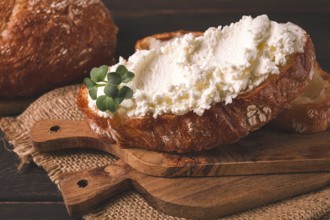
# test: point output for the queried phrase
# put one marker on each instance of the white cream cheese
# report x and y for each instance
(192, 73)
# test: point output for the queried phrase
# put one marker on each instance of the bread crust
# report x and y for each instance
(310, 112)
(51, 43)
(144, 43)
(221, 124)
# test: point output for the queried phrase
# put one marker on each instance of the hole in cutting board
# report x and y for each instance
(82, 183)
(54, 128)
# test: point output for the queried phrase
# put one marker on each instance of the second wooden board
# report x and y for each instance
(266, 151)
(201, 198)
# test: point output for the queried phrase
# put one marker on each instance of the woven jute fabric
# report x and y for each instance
(61, 104)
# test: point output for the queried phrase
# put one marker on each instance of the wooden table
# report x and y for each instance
(31, 195)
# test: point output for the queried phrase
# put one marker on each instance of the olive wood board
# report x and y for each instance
(265, 151)
(189, 197)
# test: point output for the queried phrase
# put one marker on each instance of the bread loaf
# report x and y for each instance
(51, 43)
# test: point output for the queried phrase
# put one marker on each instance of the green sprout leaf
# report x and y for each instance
(125, 92)
(121, 69)
(115, 93)
(104, 103)
(98, 74)
(114, 78)
(128, 76)
(111, 90)
(93, 93)
(89, 83)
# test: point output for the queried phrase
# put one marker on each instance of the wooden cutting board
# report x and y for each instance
(204, 197)
(263, 152)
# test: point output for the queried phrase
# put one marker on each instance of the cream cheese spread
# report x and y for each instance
(192, 73)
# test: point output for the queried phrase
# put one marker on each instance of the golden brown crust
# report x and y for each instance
(144, 43)
(310, 112)
(222, 124)
(46, 44)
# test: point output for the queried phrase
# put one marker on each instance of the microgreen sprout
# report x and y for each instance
(114, 91)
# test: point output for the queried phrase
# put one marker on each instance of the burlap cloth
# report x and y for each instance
(61, 104)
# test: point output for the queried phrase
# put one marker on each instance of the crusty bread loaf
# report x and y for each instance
(221, 124)
(51, 43)
(310, 112)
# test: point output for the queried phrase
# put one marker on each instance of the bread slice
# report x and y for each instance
(310, 112)
(221, 124)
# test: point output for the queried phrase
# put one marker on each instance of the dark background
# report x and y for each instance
(29, 194)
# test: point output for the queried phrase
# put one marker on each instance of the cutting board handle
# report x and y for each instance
(88, 189)
(50, 135)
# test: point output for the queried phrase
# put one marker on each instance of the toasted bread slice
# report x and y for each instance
(310, 112)
(221, 124)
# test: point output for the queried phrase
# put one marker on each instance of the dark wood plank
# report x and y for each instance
(31, 184)
(13, 107)
(27, 194)
(35, 211)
